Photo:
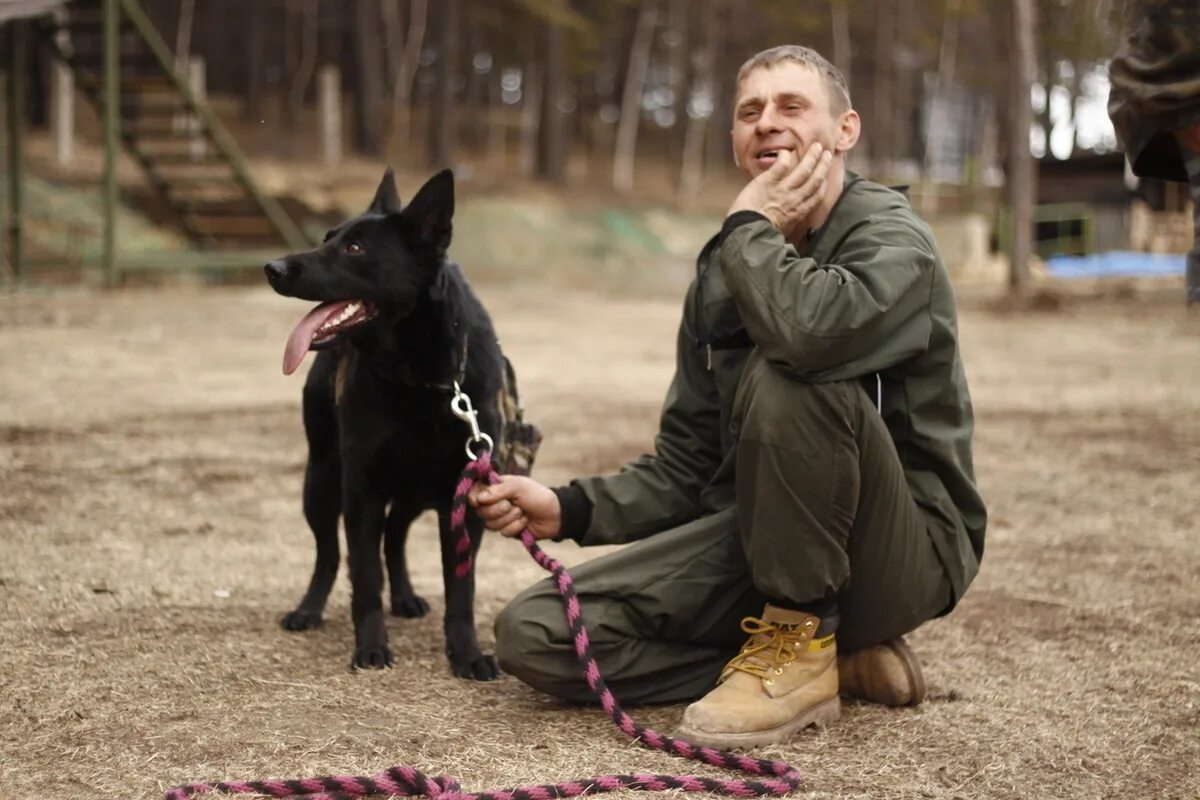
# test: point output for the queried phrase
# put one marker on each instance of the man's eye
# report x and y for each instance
(354, 249)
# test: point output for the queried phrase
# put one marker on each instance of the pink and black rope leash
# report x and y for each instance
(774, 777)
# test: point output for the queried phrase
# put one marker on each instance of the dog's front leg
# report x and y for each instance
(462, 644)
(364, 512)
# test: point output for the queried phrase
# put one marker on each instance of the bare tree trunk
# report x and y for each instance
(552, 161)
(371, 97)
(692, 168)
(600, 126)
(677, 79)
(531, 117)
(727, 55)
(531, 106)
(252, 102)
(1044, 118)
(303, 75)
(497, 131)
(840, 16)
(1076, 90)
(984, 154)
(475, 95)
(1045, 69)
(442, 128)
(393, 47)
(935, 121)
(631, 103)
(905, 100)
(883, 99)
(1022, 190)
(404, 58)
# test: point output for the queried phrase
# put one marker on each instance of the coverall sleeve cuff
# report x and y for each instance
(738, 219)
(576, 512)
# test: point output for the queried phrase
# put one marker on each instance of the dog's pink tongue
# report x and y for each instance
(301, 338)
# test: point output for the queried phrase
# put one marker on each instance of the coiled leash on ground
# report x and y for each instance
(778, 777)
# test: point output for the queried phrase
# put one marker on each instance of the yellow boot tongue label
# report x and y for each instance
(824, 643)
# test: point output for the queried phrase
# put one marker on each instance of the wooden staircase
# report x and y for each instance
(191, 163)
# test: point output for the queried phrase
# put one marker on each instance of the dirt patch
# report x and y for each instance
(151, 456)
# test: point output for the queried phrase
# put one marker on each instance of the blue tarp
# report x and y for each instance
(1116, 264)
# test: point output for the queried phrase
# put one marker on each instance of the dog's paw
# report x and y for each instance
(372, 658)
(411, 606)
(481, 668)
(300, 620)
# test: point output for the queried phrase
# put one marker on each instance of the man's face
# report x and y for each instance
(781, 107)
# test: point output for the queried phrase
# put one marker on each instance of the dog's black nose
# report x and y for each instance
(276, 269)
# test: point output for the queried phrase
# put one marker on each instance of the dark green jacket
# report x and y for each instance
(868, 295)
(1155, 84)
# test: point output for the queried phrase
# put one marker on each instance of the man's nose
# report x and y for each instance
(768, 120)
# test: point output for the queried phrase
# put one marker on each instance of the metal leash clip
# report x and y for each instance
(463, 409)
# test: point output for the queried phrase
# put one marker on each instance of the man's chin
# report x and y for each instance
(751, 170)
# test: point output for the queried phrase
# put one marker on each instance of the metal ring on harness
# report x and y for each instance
(482, 437)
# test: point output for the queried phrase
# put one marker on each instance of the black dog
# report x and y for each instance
(396, 327)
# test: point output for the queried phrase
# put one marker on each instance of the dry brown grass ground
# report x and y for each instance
(151, 535)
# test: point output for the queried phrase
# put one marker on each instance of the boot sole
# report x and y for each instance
(818, 716)
(916, 679)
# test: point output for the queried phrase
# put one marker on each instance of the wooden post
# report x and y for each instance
(18, 41)
(62, 106)
(112, 133)
(329, 105)
(197, 147)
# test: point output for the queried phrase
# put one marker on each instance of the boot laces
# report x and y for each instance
(769, 647)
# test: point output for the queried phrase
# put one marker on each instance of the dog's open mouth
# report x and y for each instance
(321, 327)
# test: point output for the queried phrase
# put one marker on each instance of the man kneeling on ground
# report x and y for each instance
(811, 486)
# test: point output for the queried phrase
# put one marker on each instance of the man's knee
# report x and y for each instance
(774, 406)
(519, 634)
(532, 642)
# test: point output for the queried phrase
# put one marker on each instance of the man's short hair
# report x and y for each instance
(835, 82)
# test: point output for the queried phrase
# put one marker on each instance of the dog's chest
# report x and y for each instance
(411, 435)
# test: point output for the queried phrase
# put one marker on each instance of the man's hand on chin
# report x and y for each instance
(790, 190)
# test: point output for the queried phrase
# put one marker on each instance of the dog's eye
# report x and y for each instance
(355, 249)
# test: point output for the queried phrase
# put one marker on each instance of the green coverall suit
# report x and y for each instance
(775, 475)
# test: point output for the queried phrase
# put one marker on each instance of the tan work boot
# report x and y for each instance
(781, 682)
(887, 673)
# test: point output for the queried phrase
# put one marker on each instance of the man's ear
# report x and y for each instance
(431, 210)
(386, 200)
(849, 129)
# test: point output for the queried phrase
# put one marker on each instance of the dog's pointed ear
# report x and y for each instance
(431, 210)
(387, 199)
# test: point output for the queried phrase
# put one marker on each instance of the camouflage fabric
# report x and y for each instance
(1155, 79)
(519, 440)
